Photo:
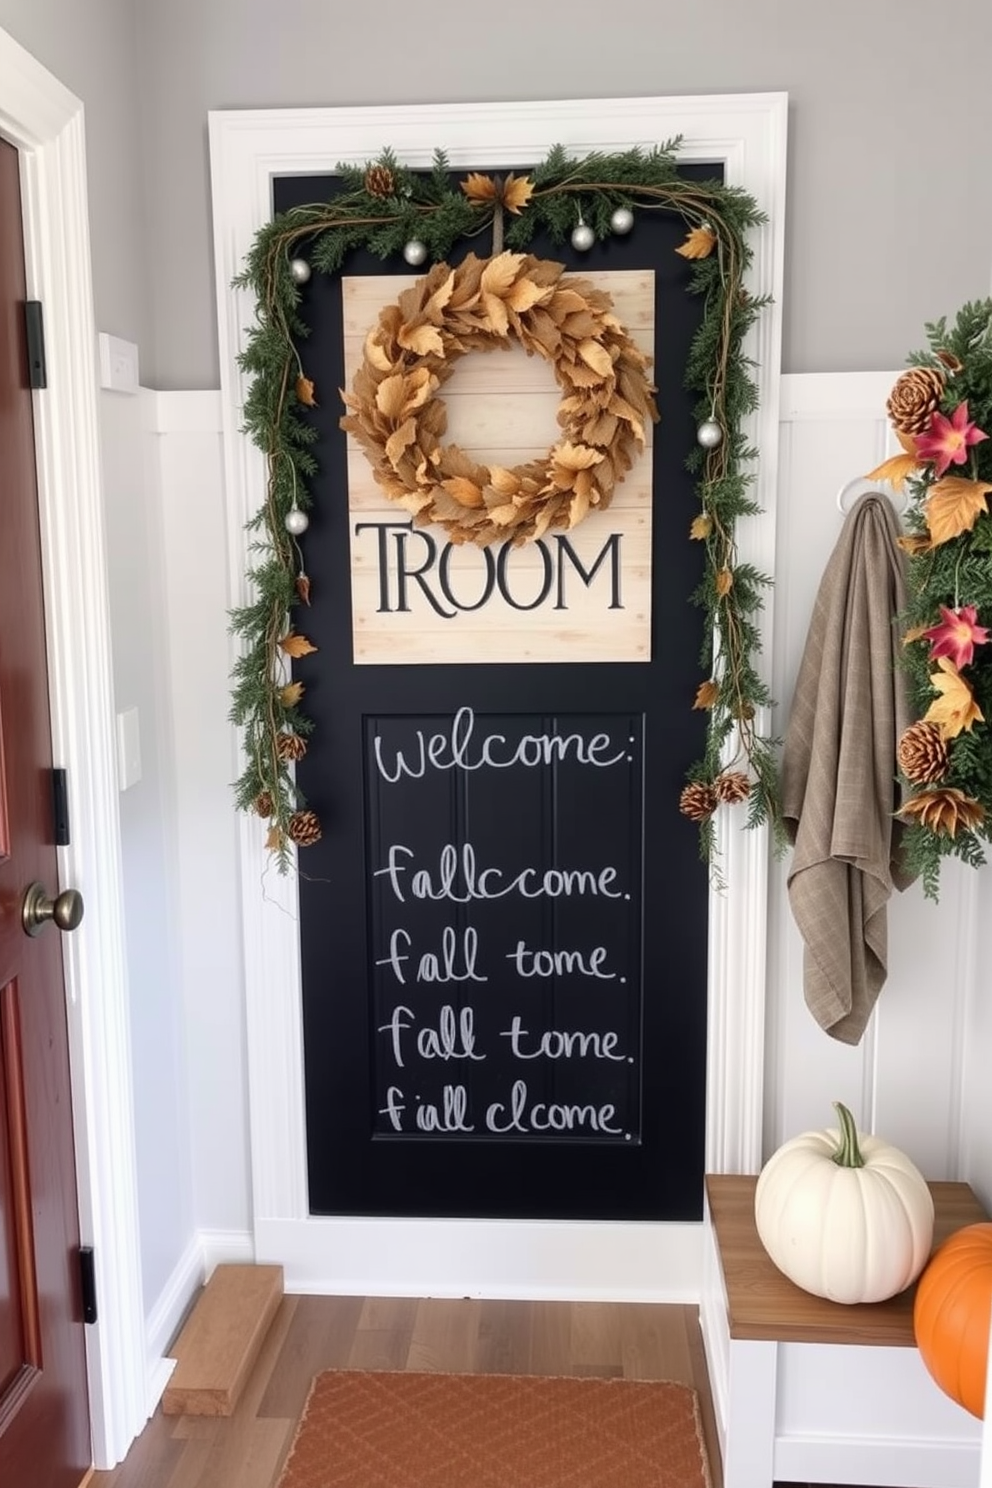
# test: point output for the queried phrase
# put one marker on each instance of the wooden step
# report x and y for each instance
(221, 1340)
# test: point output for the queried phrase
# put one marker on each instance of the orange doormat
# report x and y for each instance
(362, 1429)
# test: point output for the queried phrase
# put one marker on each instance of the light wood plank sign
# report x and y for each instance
(582, 596)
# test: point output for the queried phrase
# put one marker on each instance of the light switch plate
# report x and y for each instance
(118, 364)
(128, 749)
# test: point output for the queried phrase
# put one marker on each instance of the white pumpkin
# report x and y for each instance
(844, 1216)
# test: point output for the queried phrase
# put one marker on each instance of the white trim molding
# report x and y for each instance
(45, 121)
(746, 135)
(206, 1249)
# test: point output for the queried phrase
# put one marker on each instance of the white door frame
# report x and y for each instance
(746, 134)
(45, 121)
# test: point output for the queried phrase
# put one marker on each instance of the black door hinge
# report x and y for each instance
(60, 808)
(35, 325)
(87, 1283)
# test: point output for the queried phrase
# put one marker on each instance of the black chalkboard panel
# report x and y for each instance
(507, 992)
(561, 1152)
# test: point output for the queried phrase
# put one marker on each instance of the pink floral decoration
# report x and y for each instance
(957, 635)
(948, 440)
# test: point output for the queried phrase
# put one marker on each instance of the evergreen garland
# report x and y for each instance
(942, 411)
(382, 206)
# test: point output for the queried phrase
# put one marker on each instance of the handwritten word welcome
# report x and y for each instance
(458, 750)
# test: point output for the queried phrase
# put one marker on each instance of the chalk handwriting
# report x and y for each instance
(555, 1044)
(429, 968)
(559, 963)
(459, 750)
(460, 880)
(454, 1037)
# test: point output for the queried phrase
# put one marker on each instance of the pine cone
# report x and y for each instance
(263, 803)
(380, 181)
(290, 747)
(698, 801)
(915, 399)
(732, 786)
(922, 754)
(304, 828)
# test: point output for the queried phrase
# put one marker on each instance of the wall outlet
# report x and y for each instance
(118, 364)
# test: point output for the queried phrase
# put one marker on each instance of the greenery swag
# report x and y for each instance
(941, 410)
(389, 209)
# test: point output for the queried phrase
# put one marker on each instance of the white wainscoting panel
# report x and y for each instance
(905, 1078)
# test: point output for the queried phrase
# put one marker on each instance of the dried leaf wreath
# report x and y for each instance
(390, 210)
(398, 419)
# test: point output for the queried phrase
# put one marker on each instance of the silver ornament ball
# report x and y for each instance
(296, 522)
(300, 270)
(622, 221)
(709, 434)
(583, 238)
(414, 252)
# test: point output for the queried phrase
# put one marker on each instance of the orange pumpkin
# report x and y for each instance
(951, 1315)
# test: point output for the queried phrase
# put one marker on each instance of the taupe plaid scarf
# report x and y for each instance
(839, 788)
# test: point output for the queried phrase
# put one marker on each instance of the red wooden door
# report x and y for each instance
(44, 1414)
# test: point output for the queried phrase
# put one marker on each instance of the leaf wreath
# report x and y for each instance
(398, 419)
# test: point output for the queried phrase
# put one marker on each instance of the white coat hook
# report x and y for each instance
(849, 494)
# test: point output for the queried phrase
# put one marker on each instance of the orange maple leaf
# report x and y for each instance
(513, 193)
(706, 694)
(701, 527)
(955, 710)
(894, 470)
(517, 192)
(479, 188)
(898, 467)
(296, 645)
(699, 243)
(914, 543)
(305, 392)
(954, 506)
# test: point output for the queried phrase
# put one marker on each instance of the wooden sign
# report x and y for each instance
(504, 884)
(583, 595)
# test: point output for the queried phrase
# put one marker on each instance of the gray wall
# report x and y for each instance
(885, 136)
(885, 141)
(91, 47)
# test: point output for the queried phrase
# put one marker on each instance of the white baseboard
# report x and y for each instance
(231, 1246)
(206, 1249)
(519, 1259)
(159, 1374)
(164, 1319)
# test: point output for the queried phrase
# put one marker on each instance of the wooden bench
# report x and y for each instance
(810, 1391)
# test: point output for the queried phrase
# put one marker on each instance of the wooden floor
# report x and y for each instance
(247, 1450)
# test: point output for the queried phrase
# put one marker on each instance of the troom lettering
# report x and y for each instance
(410, 563)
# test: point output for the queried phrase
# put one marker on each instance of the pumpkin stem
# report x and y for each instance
(848, 1154)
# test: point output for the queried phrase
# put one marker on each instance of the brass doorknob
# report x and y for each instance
(65, 911)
